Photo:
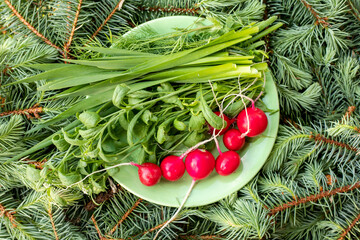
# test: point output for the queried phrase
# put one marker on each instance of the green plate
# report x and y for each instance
(215, 187)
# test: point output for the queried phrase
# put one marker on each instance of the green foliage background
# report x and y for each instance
(308, 188)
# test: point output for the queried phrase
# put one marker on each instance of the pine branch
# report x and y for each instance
(348, 229)
(8, 214)
(36, 32)
(67, 45)
(319, 20)
(125, 216)
(314, 198)
(53, 223)
(30, 113)
(117, 8)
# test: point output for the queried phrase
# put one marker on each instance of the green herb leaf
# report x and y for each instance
(214, 120)
(196, 122)
(89, 119)
(119, 94)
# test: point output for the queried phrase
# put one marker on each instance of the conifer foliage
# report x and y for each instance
(309, 186)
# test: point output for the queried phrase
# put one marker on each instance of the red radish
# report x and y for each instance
(149, 173)
(227, 163)
(233, 140)
(172, 168)
(228, 122)
(199, 164)
(257, 121)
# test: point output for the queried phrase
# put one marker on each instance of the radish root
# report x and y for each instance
(179, 209)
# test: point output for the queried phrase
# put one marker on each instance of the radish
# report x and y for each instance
(252, 121)
(233, 140)
(222, 131)
(199, 164)
(227, 163)
(149, 173)
(172, 168)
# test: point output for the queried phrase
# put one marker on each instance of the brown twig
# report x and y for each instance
(348, 113)
(125, 216)
(154, 228)
(193, 11)
(321, 139)
(314, 198)
(117, 7)
(36, 32)
(101, 198)
(347, 230)
(68, 44)
(8, 214)
(96, 226)
(101, 237)
(53, 223)
(319, 20)
(30, 113)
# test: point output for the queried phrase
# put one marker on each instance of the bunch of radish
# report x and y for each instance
(200, 163)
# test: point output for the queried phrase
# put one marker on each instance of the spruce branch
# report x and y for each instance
(203, 237)
(96, 226)
(28, 25)
(116, 8)
(322, 139)
(125, 216)
(30, 113)
(68, 44)
(314, 198)
(154, 228)
(319, 20)
(348, 229)
(354, 11)
(52, 222)
(98, 230)
(9, 214)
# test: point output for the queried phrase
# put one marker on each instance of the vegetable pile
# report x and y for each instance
(139, 107)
